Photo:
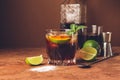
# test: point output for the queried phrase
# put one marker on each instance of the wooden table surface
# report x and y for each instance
(13, 67)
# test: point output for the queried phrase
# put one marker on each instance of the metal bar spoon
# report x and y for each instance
(89, 65)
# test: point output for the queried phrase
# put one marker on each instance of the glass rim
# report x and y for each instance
(59, 30)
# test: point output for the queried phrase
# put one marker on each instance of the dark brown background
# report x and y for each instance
(23, 22)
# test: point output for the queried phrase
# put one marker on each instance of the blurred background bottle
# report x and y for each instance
(73, 11)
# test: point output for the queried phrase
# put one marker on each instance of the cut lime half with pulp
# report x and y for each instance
(88, 53)
(59, 39)
(94, 44)
(36, 60)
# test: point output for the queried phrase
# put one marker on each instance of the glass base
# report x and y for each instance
(62, 62)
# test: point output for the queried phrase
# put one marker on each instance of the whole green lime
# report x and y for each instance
(92, 43)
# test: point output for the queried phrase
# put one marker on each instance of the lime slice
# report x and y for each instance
(59, 39)
(88, 53)
(36, 60)
(92, 43)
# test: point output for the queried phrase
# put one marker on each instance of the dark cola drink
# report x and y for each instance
(82, 37)
(96, 34)
(61, 47)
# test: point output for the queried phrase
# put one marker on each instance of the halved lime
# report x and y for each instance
(87, 53)
(36, 60)
(59, 39)
(92, 43)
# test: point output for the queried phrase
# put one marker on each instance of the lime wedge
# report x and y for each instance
(88, 53)
(59, 39)
(36, 60)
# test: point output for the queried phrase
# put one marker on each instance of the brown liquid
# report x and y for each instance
(64, 51)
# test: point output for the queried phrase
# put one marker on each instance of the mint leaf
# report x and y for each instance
(80, 27)
(70, 32)
(74, 28)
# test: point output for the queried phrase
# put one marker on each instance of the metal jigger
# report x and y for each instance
(107, 44)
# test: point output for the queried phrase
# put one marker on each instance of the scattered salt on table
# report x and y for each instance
(43, 69)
